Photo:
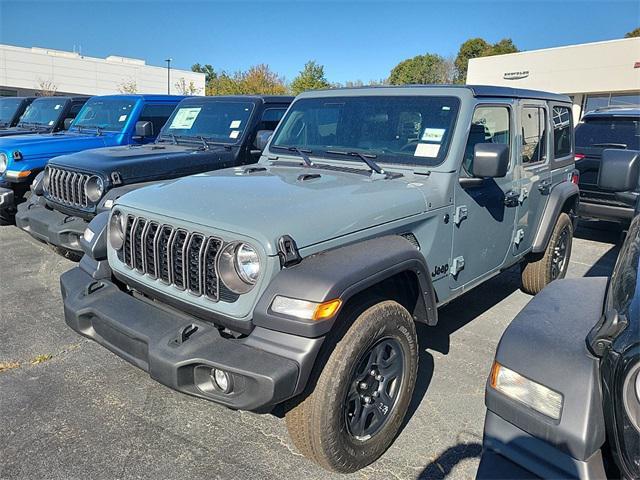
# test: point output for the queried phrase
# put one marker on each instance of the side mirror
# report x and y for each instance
(262, 138)
(144, 129)
(67, 123)
(490, 160)
(619, 170)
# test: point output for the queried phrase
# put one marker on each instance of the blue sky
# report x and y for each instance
(353, 39)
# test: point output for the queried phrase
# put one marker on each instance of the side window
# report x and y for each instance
(489, 125)
(533, 135)
(562, 130)
(270, 118)
(75, 108)
(157, 115)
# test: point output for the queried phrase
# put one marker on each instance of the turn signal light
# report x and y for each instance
(305, 309)
(578, 156)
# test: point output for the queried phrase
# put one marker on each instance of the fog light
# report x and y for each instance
(221, 380)
(534, 395)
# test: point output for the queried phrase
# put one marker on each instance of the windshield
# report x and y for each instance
(413, 130)
(8, 107)
(603, 132)
(219, 121)
(43, 112)
(105, 113)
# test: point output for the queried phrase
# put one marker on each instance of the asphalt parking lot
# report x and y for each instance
(71, 409)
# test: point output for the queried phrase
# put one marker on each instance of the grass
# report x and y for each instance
(4, 366)
(41, 358)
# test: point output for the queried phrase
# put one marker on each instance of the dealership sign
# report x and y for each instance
(516, 75)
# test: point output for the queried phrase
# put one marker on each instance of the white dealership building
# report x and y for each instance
(30, 71)
(594, 75)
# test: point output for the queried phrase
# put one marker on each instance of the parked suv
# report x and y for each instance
(11, 109)
(46, 115)
(297, 281)
(102, 122)
(563, 397)
(203, 134)
(604, 128)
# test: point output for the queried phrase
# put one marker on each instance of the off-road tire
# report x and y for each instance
(317, 425)
(538, 270)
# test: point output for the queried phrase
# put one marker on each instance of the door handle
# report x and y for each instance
(511, 199)
(544, 187)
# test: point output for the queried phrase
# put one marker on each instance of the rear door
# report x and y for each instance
(532, 171)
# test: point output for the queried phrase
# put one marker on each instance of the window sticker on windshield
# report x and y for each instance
(433, 134)
(58, 107)
(427, 150)
(50, 122)
(122, 118)
(185, 117)
(235, 124)
(234, 134)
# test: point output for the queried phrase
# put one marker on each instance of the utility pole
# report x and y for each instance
(168, 60)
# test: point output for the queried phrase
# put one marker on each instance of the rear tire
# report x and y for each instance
(355, 405)
(540, 270)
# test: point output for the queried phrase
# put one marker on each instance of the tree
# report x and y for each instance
(428, 68)
(128, 86)
(633, 33)
(46, 88)
(311, 77)
(209, 73)
(478, 47)
(261, 80)
(185, 88)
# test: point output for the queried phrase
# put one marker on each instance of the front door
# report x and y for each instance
(483, 223)
(533, 171)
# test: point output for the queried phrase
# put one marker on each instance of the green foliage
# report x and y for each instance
(633, 33)
(311, 77)
(428, 68)
(478, 47)
(257, 80)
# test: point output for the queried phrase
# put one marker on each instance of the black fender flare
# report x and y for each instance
(342, 273)
(558, 197)
(119, 190)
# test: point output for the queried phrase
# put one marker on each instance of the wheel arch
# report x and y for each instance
(564, 198)
(388, 265)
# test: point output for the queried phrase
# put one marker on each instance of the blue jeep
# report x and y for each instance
(103, 121)
(46, 115)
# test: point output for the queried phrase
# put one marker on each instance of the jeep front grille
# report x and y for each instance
(67, 187)
(185, 260)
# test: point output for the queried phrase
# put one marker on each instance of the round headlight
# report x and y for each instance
(239, 267)
(3, 163)
(94, 188)
(46, 178)
(116, 230)
(247, 263)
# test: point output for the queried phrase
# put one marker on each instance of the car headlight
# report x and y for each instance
(3, 163)
(239, 267)
(46, 179)
(521, 389)
(94, 188)
(116, 230)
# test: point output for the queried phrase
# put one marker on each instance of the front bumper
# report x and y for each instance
(6, 198)
(153, 339)
(51, 226)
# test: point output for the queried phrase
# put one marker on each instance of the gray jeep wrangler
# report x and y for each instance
(297, 281)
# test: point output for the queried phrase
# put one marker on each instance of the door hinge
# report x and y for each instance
(456, 266)
(524, 193)
(461, 214)
(519, 237)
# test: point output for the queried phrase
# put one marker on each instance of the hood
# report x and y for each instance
(146, 162)
(52, 144)
(13, 131)
(269, 204)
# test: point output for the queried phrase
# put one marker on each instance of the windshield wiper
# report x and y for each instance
(302, 152)
(368, 159)
(615, 145)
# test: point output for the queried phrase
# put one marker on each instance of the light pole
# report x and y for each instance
(168, 60)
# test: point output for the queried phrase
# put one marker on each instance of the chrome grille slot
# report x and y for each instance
(185, 260)
(67, 187)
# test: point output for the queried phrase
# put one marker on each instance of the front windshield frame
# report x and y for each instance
(432, 128)
(228, 138)
(11, 105)
(121, 114)
(47, 102)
